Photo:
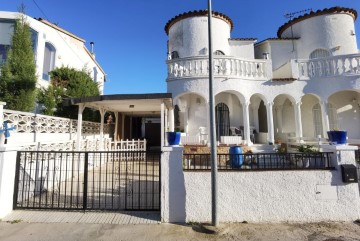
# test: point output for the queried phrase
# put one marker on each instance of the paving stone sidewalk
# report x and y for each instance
(133, 217)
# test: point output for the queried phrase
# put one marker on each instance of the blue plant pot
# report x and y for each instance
(173, 138)
(337, 137)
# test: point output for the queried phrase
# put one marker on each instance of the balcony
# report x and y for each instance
(341, 65)
(224, 67)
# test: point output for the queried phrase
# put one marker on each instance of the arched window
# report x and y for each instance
(174, 55)
(317, 120)
(219, 52)
(222, 120)
(319, 53)
(49, 60)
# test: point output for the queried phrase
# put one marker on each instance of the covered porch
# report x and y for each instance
(134, 121)
(259, 119)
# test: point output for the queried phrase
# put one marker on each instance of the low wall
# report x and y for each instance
(272, 196)
(259, 196)
(7, 177)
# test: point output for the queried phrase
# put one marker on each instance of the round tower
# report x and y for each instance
(323, 33)
(188, 34)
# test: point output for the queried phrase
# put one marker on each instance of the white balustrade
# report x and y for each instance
(224, 66)
(30, 123)
(190, 140)
(231, 140)
(340, 65)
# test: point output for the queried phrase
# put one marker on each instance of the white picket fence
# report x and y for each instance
(128, 146)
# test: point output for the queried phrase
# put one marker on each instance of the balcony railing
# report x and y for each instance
(260, 161)
(341, 65)
(224, 66)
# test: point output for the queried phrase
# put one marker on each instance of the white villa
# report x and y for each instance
(53, 47)
(300, 84)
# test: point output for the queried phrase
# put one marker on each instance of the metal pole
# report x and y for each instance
(214, 217)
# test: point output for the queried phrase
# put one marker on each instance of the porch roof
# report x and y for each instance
(134, 104)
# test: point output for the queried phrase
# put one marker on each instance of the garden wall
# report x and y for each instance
(259, 196)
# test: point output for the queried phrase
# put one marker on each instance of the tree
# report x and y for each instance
(18, 74)
(67, 82)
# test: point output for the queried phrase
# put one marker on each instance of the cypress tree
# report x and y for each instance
(18, 74)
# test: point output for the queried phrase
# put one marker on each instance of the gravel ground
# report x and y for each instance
(325, 231)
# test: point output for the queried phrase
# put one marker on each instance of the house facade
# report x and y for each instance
(53, 47)
(300, 84)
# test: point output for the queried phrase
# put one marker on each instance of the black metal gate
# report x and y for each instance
(87, 180)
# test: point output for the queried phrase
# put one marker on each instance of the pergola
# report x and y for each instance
(158, 104)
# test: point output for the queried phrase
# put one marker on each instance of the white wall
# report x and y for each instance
(7, 177)
(274, 196)
(266, 196)
(242, 49)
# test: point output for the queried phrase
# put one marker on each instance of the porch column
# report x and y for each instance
(162, 125)
(186, 119)
(102, 115)
(255, 110)
(166, 119)
(122, 126)
(324, 118)
(279, 118)
(116, 126)
(171, 119)
(246, 123)
(270, 122)
(79, 127)
(298, 122)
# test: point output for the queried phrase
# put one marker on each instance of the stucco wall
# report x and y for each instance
(242, 49)
(263, 196)
(272, 197)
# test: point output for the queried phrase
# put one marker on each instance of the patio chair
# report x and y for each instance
(235, 131)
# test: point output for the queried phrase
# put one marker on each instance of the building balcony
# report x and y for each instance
(341, 65)
(224, 67)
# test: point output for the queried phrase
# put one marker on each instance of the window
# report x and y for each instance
(174, 55)
(319, 53)
(49, 60)
(219, 52)
(34, 41)
(6, 31)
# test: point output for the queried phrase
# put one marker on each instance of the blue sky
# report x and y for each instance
(129, 36)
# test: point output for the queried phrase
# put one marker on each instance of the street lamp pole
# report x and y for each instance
(214, 216)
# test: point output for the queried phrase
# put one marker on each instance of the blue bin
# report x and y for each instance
(236, 157)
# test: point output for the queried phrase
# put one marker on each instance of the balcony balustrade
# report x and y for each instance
(341, 65)
(224, 67)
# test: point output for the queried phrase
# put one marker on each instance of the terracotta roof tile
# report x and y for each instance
(195, 14)
(284, 79)
(332, 10)
(243, 39)
(276, 39)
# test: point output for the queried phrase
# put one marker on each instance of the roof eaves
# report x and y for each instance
(60, 29)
